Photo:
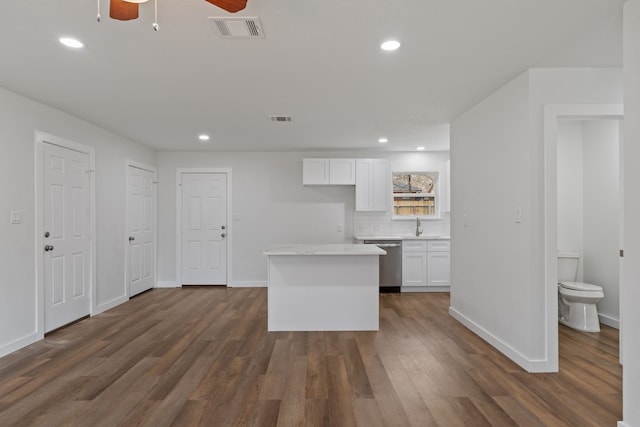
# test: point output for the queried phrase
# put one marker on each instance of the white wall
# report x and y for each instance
(630, 291)
(497, 160)
(272, 205)
(570, 188)
(600, 259)
(490, 259)
(19, 119)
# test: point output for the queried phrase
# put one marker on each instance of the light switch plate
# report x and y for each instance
(16, 217)
(517, 215)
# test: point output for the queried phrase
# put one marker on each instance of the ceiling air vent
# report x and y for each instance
(280, 119)
(237, 27)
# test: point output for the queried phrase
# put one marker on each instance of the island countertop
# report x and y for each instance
(326, 249)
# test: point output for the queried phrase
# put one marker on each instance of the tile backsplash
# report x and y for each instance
(382, 224)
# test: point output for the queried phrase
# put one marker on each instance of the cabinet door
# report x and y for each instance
(315, 171)
(438, 266)
(342, 171)
(372, 185)
(381, 196)
(414, 269)
(364, 178)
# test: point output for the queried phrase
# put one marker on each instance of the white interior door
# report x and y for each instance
(141, 220)
(204, 247)
(67, 248)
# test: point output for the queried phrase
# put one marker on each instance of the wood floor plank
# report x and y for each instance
(202, 356)
(417, 412)
(316, 412)
(292, 405)
(340, 394)
(521, 415)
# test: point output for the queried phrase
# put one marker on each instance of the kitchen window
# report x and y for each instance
(415, 194)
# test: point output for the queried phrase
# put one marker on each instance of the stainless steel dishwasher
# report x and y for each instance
(390, 264)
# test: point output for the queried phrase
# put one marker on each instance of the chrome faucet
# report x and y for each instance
(418, 228)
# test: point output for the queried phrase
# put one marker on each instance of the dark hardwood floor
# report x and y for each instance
(203, 357)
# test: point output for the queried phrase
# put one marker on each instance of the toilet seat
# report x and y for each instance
(579, 286)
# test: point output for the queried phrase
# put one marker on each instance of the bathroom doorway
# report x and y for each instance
(583, 203)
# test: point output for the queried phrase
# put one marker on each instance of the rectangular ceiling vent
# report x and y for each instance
(280, 119)
(237, 27)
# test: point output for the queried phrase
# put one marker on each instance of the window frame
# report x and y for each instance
(435, 194)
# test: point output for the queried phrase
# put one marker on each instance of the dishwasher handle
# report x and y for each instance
(388, 245)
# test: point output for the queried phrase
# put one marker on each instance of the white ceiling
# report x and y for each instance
(319, 62)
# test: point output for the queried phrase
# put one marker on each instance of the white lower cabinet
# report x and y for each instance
(438, 262)
(414, 263)
(426, 264)
(438, 265)
(414, 269)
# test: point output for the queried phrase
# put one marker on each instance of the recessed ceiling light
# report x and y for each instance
(204, 137)
(383, 140)
(420, 148)
(71, 42)
(390, 45)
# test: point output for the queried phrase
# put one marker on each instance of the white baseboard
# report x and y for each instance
(623, 424)
(109, 305)
(167, 284)
(248, 284)
(527, 364)
(20, 343)
(425, 289)
(609, 321)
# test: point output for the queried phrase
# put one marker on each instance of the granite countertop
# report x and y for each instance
(422, 237)
(326, 249)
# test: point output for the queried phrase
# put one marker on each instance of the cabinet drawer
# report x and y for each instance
(438, 245)
(414, 246)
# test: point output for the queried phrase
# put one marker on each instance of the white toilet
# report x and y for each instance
(577, 301)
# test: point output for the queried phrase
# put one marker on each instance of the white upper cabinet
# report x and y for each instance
(342, 171)
(328, 171)
(372, 185)
(315, 171)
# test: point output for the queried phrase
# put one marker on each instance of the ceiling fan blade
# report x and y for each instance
(232, 6)
(122, 10)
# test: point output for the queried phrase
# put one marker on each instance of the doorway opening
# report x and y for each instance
(572, 221)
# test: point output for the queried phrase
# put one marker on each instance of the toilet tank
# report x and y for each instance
(568, 266)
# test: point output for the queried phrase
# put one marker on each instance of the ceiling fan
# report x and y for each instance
(125, 10)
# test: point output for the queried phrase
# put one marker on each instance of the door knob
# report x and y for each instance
(223, 227)
(48, 248)
(46, 234)
(131, 238)
(223, 235)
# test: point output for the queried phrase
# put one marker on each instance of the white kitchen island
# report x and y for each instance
(331, 287)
